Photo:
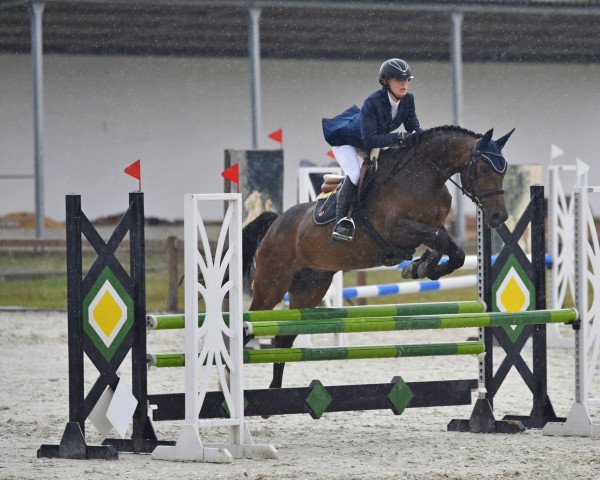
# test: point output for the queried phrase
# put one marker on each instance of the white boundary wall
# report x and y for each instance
(178, 115)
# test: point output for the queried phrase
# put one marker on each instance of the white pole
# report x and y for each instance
(254, 51)
(457, 101)
(37, 55)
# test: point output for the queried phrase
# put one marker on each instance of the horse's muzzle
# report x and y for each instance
(496, 219)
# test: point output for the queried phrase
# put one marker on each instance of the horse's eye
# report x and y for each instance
(484, 169)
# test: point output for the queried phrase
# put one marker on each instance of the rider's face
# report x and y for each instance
(398, 87)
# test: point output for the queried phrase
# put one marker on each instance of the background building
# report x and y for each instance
(169, 82)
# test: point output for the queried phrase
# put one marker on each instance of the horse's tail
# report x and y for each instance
(252, 235)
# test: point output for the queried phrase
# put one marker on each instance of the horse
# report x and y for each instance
(404, 206)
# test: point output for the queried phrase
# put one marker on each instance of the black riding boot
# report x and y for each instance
(344, 227)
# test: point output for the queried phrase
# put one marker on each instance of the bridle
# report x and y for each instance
(467, 179)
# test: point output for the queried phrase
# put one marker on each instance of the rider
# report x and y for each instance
(382, 112)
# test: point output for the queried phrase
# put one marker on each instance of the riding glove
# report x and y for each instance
(407, 139)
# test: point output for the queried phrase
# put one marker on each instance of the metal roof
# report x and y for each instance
(493, 30)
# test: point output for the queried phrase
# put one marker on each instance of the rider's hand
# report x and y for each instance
(406, 139)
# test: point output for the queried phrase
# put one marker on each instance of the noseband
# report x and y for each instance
(467, 179)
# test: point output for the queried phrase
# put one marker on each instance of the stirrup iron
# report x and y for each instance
(342, 236)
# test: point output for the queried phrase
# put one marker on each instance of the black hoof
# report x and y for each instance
(430, 261)
(410, 270)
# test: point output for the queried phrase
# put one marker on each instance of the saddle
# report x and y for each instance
(327, 199)
(332, 182)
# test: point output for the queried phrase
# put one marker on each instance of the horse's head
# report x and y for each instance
(482, 177)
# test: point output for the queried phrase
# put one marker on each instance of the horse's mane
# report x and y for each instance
(406, 153)
(417, 138)
(445, 129)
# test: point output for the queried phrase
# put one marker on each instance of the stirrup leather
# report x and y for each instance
(345, 223)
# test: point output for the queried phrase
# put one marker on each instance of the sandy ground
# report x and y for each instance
(358, 445)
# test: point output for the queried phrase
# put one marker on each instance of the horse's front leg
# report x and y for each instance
(456, 257)
(440, 243)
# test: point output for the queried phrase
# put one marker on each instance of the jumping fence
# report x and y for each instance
(109, 285)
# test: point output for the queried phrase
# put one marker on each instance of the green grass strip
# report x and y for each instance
(177, 321)
(424, 322)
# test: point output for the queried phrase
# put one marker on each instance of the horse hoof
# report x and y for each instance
(429, 264)
(439, 271)
(423, 270)
(410, 271)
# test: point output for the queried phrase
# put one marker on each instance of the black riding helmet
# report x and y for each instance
(394, 68)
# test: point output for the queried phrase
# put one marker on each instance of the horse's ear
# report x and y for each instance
(487, 137)
(502, 140)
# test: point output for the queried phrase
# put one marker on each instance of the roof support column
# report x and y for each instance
(457, 81)
(254, 51)
(37, 53)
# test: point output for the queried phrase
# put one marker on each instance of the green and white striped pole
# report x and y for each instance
(424, 322)
(285, 355)
(177, 321)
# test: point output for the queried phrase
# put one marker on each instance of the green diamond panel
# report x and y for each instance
(318, 399)
(107, 351)
(400, 395)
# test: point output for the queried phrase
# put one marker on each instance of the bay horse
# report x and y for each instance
(405, 206)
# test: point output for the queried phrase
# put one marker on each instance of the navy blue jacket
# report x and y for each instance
(370, 126)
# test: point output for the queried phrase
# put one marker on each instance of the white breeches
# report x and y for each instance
(347, 157)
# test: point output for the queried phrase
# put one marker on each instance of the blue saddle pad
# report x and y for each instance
(325, 209)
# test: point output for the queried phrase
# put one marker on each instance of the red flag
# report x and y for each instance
(330, 153)
(232, 173)
(135, 171)
(277, 135)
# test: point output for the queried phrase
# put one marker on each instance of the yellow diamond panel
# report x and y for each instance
(107, 313)
(512, 295)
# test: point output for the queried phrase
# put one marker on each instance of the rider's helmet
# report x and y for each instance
(394, 68)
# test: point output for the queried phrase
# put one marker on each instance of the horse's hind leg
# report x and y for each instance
(281, 341)
(271, 282)
(307, 290)
(269, 285)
